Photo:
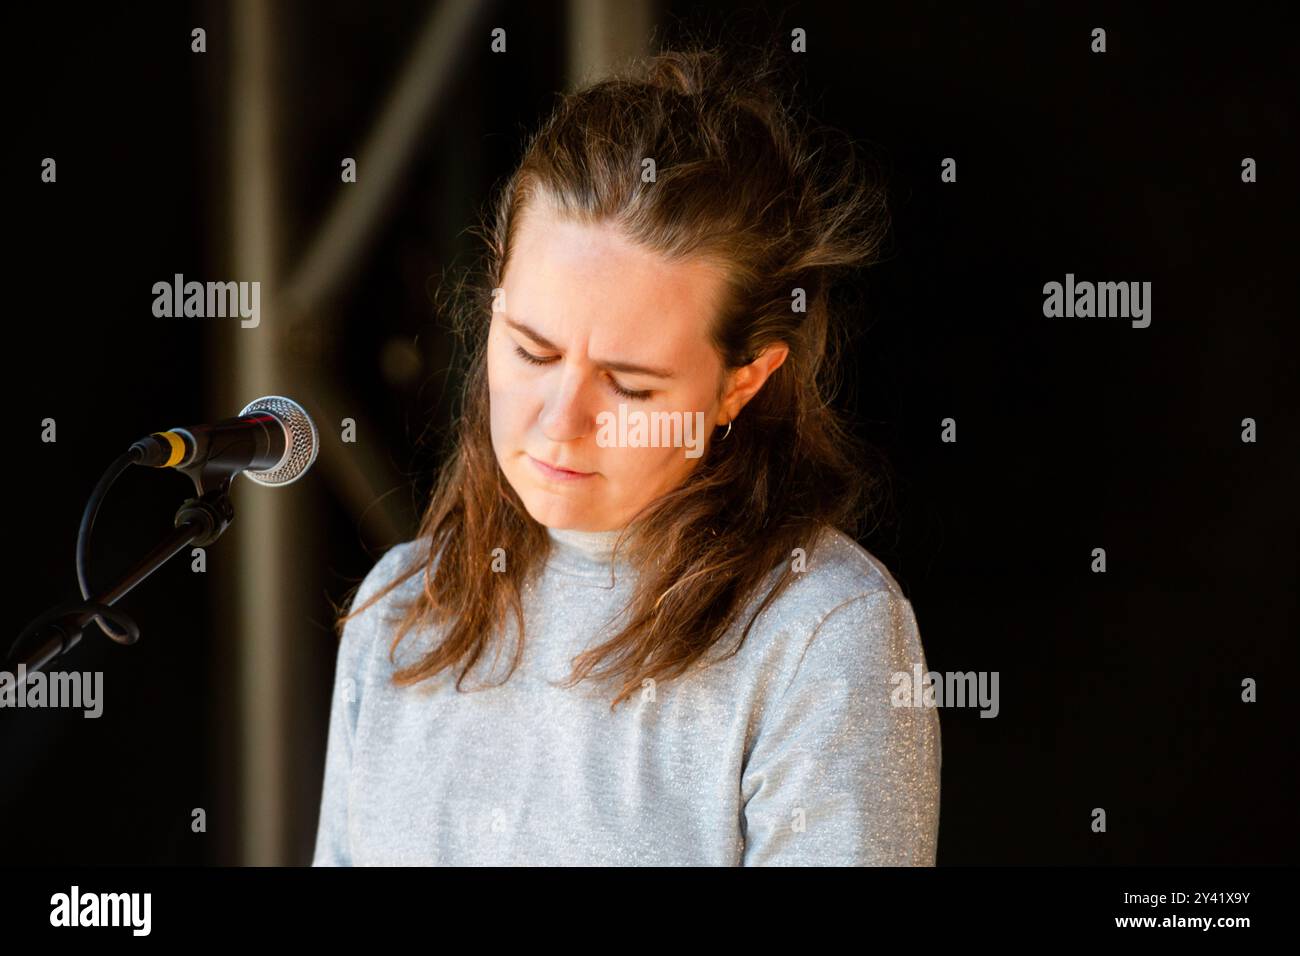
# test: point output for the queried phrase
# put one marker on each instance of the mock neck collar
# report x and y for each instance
(588, 552)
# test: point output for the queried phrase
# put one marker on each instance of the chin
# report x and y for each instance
(550, 509)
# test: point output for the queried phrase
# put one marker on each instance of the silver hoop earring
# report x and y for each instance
(728, 432)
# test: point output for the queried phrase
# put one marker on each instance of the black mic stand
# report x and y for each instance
(200, 520)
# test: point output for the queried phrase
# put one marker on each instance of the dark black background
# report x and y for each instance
(1119, 690)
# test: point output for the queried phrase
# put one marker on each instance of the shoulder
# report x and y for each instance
(837, 566)
(361, 633)
(834, 574)
(394, 562)
(842, 617)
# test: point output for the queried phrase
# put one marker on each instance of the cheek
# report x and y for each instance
(499, 397)
(644, 471)
(512, 401)
(507, 375)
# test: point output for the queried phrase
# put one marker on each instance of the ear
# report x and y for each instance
(744, 383)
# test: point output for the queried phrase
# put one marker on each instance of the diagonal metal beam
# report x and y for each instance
(334, 254)
(360, 476)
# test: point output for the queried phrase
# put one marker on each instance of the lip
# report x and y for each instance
(558, 474)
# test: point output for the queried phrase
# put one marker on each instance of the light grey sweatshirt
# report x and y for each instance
(794, 751)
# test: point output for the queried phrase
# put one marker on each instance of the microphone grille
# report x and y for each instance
(301, 440)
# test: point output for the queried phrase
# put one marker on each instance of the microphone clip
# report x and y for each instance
(211, 513)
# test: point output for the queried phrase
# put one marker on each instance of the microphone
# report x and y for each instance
(273, 441)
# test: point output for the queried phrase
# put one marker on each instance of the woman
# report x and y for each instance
(702, 659)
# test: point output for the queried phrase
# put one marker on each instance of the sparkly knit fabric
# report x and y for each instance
(793, 751)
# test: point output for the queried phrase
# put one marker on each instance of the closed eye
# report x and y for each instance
(635, 395)
(534, 359)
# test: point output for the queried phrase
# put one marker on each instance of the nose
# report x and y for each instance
(565, 415)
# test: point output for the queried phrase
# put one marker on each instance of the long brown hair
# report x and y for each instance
(741, 180)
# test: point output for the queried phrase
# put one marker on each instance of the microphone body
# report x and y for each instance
(272, 441)
(248, 441)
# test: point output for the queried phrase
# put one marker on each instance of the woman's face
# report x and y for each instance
(606, 318)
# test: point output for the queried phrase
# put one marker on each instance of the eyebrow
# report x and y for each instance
(630, 367)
